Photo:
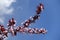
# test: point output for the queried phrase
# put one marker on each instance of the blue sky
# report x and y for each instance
(50, 18)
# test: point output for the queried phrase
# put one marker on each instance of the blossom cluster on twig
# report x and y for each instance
(25, 26)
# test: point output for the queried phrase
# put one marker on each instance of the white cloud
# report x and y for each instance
(1, 19)
(5, 8)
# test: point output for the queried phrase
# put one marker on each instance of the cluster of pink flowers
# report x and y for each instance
(24, 28)
(31, 30)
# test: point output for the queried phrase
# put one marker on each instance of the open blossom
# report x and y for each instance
(40, 8)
